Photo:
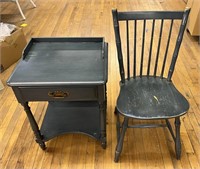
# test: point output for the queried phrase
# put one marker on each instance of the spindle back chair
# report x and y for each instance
(148, 44)
(18, 5)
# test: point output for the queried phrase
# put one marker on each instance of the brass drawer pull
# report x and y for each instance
(58, 94)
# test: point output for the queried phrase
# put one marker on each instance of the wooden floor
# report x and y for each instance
(143, 148)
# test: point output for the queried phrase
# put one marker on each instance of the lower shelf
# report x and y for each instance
(71, 117)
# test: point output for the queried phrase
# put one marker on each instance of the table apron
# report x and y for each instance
(56, 93)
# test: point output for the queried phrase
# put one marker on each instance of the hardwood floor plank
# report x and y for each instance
(167, 160)
(66, 151)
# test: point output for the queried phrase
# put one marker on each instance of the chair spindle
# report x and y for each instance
(135, 48)
(151, 45)
(158, 50)
(142, 52)
(128, 55)
(167, 47)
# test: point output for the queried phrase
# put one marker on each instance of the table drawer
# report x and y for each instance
(58, 93)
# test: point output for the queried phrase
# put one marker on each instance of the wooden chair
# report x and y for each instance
(146, 89)
(18, 5)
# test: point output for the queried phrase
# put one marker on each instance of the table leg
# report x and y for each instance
(34, 125)
(102, 108)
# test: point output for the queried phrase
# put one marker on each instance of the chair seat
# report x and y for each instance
(150, 98)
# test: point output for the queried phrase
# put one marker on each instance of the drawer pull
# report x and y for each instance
(58, 94)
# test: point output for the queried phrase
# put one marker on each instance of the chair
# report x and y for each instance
(146, 89)
(17, 2)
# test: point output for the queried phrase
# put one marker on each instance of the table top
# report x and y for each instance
(62, 61)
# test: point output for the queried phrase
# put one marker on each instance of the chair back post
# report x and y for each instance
(178, 43)
(118, 44)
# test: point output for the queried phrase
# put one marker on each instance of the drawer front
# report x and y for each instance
(58, 93)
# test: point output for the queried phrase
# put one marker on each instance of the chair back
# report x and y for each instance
(148, 42)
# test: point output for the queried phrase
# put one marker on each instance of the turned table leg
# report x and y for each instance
(34, 125)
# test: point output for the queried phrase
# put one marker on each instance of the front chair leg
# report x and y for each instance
(177, 140)
(121, 139)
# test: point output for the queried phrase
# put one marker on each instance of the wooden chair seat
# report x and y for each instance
(150, 98)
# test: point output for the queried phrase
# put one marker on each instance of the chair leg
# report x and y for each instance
(20, 10)
(177, 140)
(121, 139)
(170, 129)
(118, 127)
(33, 3)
